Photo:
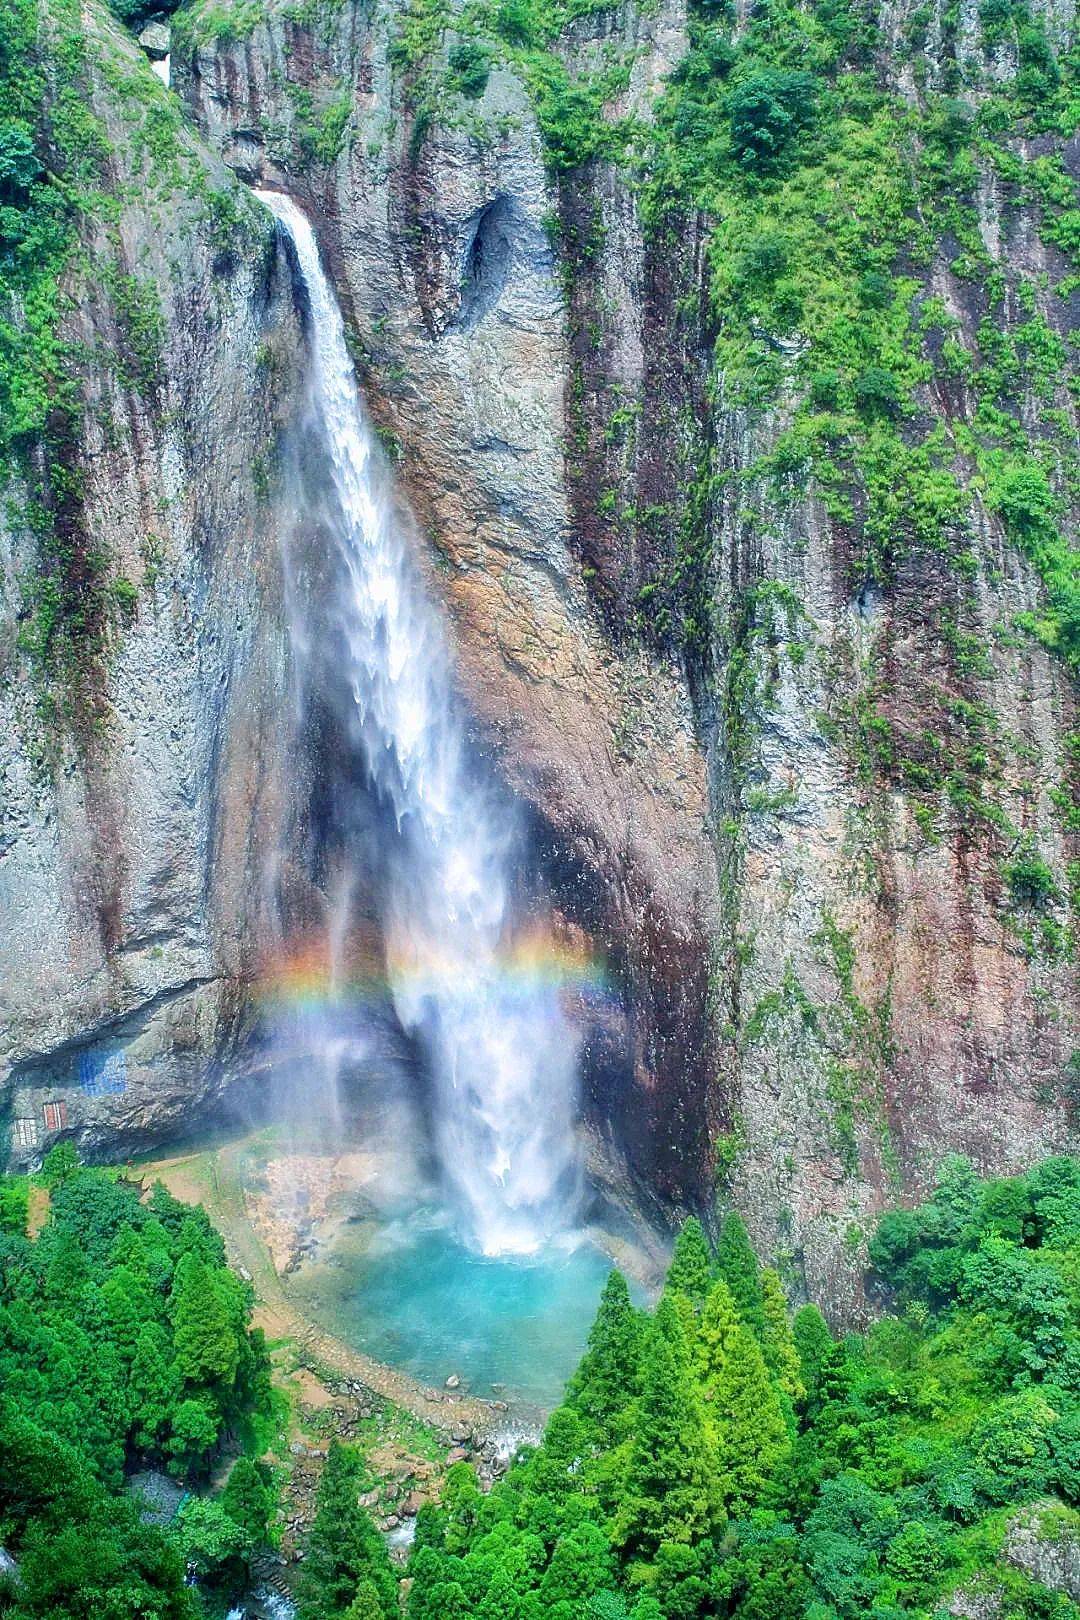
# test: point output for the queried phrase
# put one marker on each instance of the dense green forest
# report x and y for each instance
(124, 1343)
(712, 1458)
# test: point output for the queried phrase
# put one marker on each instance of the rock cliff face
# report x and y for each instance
(143, 768)
(812, 812)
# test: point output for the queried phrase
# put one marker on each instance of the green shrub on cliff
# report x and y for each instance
(469, 68)
(1034, 519)
(767, 113)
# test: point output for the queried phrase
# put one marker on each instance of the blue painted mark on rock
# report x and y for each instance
(103, 1074)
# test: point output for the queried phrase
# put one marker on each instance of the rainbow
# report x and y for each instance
(310, 972)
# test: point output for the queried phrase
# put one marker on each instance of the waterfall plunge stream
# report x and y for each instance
(502, 1058)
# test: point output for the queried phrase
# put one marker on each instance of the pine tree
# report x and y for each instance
(814, 1345)
(426, 1571)
(737, 1264)
(153, 1386)
(59, 1164)
(553, 1470)
(744, 1417)
(502, 1600)
(462, 1499)
(435, 1594)
(688, 1318)
(366, 1605)
(68, 1270)
(446, 1601)
(246, 1499)
(690, 1271)
(193, 1434)
(669, 1491)
(206, 1344)
(344, 1548)
(581, 1564)
(146, 1253)
(668, 1323)
(719, 1329)
(128, 1306)
(778, 1343)
(610, 1371)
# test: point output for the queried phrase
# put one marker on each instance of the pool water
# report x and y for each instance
(411, 1295)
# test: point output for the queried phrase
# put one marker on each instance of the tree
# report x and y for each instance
(814, 1345)
(462, 1501)
(913, 1559)
(196, 1236)
(690, 1271)
(778, 1342)
(146, 1253)
(68, 1270)
(105, 1569)
(153, 1387)
(610, 1371)
(1053, 1188)
(193, 1436)
(646, 1608)
(502, 1600)
(59, 1164)
(737, 1264)
(128, 1305)
(743, 1413)
(96, 1207)
(606, 1606)
(553, 1471)
(429, 1570)
(469, 67)
(581, 1564)
(669, 1492)
(679, 1580)
(206, 1344)
(344, 1548)
(14, 1204)
(247, 1500)
(670, 1323)
(86, 1352)
(767, 112)
(19, 165)
(439, 1599)
(878, 392)
(845, 1536)
(214, 1546)
(366, 1605)
(773, 1581)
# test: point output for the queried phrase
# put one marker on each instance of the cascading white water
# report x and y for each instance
(503, 1060)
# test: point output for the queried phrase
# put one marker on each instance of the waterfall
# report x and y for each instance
(502, 1058)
